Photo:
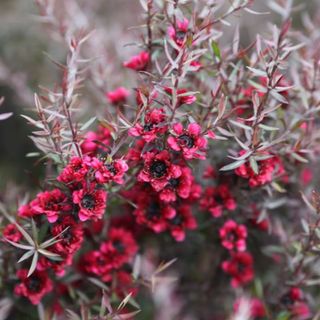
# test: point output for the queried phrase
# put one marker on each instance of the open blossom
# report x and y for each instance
(233, 236)
(158, 169)
(268, 169)
(189, 141)
(151, 211)
(120, 247)
(178, 187)
(92, 202)
(96, 263)
(256, 306)
(182, 98)
(75, 171)
(153, 125)
(118, 96)
(240, 268)
(179, 34)
(293, 300)
(108, 171)
(33, 287)
(216, 199)
(138, 62)
(183, 220)
(12, 233)
(96, 141)
(51, 203)
(69, 233)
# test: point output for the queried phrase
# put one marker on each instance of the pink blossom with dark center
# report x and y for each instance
(189, 141)
(51, 203)
(158, 170)
(240, 268)
(233, 236)
(33, 287)
(109, 171)
(154, 124)
(92, 202)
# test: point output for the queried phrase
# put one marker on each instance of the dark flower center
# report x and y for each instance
(153, 211)
(180, 35)
(119, 246)
(186, 140)
(111, 168)
(88, 201)
(177, 220)
(34, 284)
(148, 127)
(158, 169)
(286, 300)
(67, 236)
(174, 183)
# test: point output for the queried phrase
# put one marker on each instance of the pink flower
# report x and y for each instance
(182, 98)
(179, 34)
(51, 203)
(216, 199)
(12, 233)
(138, 62)
(108, 171)
(92, 202)
(189, 141)
(183, 220)
(268, 169)
(158, 169)
(118, 96)
(233, 236)
(96, 141)
(33, 287)
(179, 187)
(240, 268)
(152, 126)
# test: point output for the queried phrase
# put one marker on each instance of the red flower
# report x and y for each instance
(33, 287)
(70, 235)
(120, 247)
(215, 199)
(110, 170)
(158, 169)
(257, 309)
(179, 35)
(152, 212)
(26, 211)
(188, 141)
(138, 62)
(91, 201)
(233, 236)
(58, 266)
(90, 146)
(11, 233)
(240, 268)
(179, 187)
(294, 302)
(153, 125)
(182, 221)
(268, 168)
(51, 203)
(96, 263)
(118, 96)
(182, 98)
(75, 171)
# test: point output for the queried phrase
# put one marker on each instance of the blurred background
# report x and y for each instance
(24, 66)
